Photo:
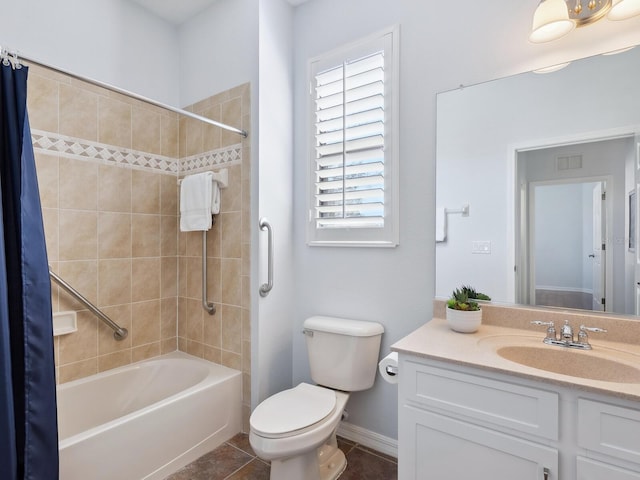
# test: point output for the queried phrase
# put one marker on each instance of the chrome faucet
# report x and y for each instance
(566, 335)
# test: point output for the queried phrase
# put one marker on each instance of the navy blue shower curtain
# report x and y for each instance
(28, 424)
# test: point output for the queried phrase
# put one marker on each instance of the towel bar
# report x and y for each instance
(220, 176)
(464, 210)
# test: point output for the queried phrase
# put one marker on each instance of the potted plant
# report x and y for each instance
(463, 312)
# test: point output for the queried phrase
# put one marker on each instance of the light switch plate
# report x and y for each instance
(483, 247)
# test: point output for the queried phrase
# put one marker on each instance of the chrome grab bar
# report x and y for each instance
(265, 288)
(119, 333)
(209, 307)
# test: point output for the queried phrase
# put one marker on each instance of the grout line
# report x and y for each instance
(240, 449)
(237, 470)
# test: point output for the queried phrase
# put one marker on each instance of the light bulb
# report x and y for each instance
(623, 9)
(550, 21)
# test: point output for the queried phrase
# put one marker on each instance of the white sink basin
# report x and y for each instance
(602, 364)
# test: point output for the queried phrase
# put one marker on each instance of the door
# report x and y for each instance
(633, 236)
(521, 269)
(599, 246)
(566, 257)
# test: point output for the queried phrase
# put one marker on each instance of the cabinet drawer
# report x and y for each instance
(527, 410)
(609, 429)
(588, 469)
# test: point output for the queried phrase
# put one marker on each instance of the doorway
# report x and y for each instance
(567, 234)
(564, 179)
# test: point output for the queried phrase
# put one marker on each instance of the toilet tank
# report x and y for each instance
(343, 353)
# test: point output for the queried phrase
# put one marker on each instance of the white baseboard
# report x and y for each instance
(367, 438)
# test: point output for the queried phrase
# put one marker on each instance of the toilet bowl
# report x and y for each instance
(295, 429)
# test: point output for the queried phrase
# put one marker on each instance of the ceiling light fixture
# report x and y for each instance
(554, 19)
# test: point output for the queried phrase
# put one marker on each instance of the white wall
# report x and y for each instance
(218, 49)
(443, 45)
(233, 42)
(272, 358)
(114, 41)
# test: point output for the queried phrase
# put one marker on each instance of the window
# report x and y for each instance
(353, 156)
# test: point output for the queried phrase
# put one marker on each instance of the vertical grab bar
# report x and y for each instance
(265, 288)
(209, 307)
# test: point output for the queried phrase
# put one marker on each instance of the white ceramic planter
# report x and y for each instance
(464, 321)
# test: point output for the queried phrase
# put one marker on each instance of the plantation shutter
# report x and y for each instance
(350, 144)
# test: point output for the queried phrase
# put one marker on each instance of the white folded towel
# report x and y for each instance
(199, 199)
(441, 224)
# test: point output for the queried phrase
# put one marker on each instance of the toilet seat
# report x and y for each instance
(292, 411)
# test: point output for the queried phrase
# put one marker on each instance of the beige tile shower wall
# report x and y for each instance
(224, 337)
(111, 230)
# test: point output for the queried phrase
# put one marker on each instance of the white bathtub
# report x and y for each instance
(146, 420)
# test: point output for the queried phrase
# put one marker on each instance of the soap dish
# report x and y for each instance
(64, 323)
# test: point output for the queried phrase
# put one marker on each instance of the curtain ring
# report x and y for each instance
(4, 57)
(16, 63)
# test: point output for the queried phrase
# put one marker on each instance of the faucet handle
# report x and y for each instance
(551, 331)
(592, 329)
(583, 338)
(545, 324)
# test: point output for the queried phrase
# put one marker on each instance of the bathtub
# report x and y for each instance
(146, 420)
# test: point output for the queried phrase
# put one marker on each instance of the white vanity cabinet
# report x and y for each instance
(455, 426)
(466, 423)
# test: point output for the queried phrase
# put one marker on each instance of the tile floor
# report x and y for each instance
(235, 460)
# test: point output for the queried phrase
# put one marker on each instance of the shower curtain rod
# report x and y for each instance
(128, 93)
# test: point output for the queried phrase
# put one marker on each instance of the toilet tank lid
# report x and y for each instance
(343, 326)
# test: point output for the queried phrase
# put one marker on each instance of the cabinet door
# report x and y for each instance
(609, 429)
(591, 470)
(442, 448)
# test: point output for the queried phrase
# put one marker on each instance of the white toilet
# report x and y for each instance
(296, 428)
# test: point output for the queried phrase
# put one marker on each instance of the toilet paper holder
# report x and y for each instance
(389, 368)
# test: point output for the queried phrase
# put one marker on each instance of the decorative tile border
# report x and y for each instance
(215, 158)
(79, 149)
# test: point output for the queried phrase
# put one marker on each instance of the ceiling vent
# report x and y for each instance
(569, 162)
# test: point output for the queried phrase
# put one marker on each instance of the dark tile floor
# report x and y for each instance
(235, 460)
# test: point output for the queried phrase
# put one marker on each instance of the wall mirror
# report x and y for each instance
(536, 186)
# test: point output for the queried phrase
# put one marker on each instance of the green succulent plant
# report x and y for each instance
(463, 298)
(471, 293)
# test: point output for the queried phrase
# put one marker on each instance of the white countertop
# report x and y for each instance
(435, 340)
